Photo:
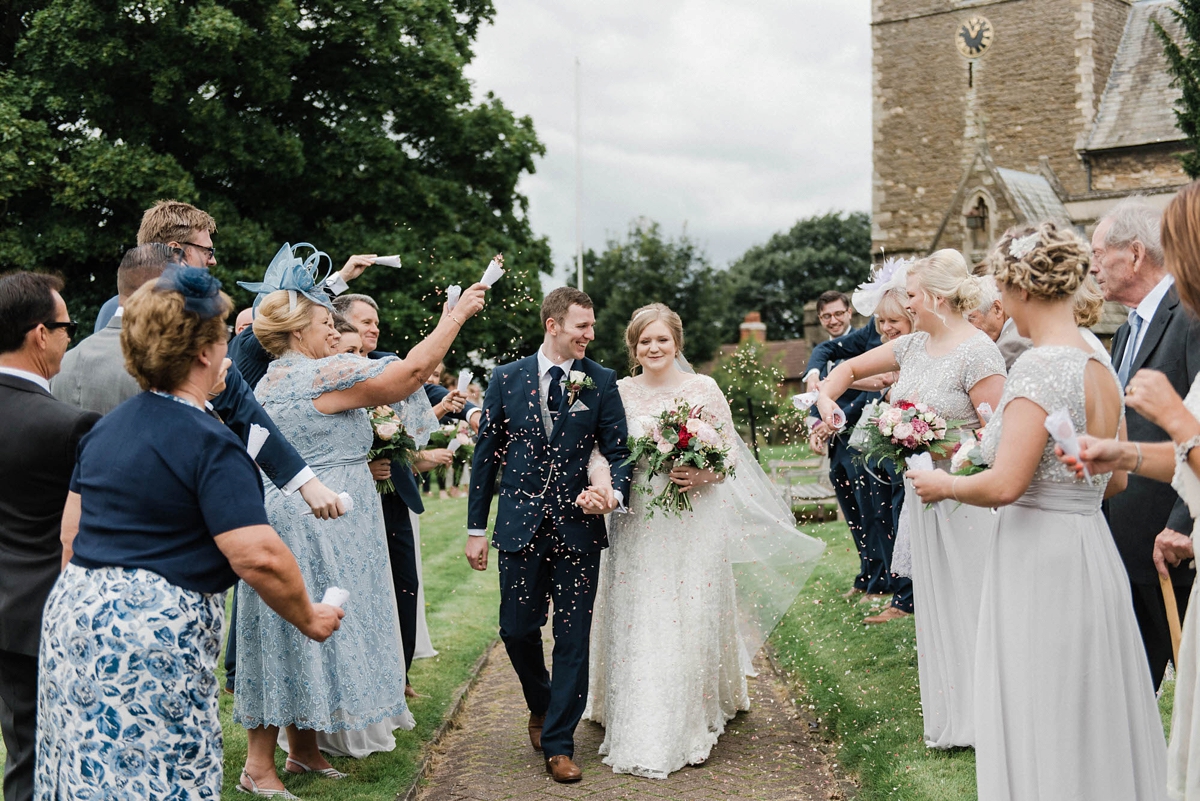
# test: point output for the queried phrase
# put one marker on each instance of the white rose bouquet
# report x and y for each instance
(685, 436)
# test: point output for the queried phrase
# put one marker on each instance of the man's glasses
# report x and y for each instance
(70, 325)
(832, 315)
(212, 252)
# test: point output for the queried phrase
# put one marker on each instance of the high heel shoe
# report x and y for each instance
(254, 789)
(328, 773)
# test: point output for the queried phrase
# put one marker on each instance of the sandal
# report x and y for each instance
(328, 773)
(254, 789)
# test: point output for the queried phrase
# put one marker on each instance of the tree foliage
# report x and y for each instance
(830, 251)
(648, 268)
(748, 379)
(344, 123)
(1184, 66)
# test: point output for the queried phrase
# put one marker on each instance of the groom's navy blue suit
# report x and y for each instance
(548, 546)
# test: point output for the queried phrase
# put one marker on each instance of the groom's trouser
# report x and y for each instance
(529, 578)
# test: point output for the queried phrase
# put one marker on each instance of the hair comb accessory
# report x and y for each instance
(891, 274)
(1020, 248)
(299, 277)
(200, 289)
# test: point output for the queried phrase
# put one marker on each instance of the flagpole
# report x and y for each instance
(578, 181)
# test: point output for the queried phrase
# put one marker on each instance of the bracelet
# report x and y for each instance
(455, 319)
(1137, 446)
(1182, 449)
(953, 488)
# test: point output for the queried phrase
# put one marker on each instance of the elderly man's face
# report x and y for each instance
(834, 318)
(1113, 267)
(990, 320)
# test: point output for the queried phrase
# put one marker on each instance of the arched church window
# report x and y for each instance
(979, 226)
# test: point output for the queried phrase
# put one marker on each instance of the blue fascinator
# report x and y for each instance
(298, 276)
(200, 289)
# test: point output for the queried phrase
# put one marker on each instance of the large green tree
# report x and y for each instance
(830, 251)
(647, 267)
(344, 123)
(1183, 61)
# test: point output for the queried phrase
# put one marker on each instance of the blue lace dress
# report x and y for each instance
(356, 677)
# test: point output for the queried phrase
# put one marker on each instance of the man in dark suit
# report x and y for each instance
(542, 415)
(41, 437)
(1159, 335)
(362, 312)
(860, 496)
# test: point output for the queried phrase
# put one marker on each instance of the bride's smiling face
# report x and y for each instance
(656, 347)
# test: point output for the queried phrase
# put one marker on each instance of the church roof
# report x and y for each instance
(1034, 197)
(1138, 103)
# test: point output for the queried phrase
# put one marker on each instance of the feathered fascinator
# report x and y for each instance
(891, 274)
(200, 289)
(298, 276)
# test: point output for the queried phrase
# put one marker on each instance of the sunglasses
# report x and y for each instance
(212, 252)
(70, 325)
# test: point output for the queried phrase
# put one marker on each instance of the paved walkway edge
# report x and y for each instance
(448, 723)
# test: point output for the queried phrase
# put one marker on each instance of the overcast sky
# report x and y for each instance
(732, 118)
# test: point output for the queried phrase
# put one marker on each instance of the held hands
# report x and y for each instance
(324, 502)
(468, 305)
(325, 620)
(1171, 548)
(1151, 395)
(477, 552)
(932, 485)
(355, 266)
(818, 438)
(597, 500)
(381, 468)
(689, 478)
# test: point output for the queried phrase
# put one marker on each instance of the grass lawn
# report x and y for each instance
(461, 608)
(860, 684)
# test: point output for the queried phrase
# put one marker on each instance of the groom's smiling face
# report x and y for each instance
(569, 337)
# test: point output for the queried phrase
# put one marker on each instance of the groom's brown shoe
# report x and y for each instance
(535, 730)
(562, 769)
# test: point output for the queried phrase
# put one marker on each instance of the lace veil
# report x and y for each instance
(771, 558)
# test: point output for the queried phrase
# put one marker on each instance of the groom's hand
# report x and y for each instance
(597, 500)
(477, 552)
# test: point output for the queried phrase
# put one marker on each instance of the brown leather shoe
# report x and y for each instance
(563, 769)
(887, 615)
(853, 592)
(535, 730)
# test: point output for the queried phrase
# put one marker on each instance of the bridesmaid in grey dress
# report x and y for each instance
(954, 368)
(1064, 704)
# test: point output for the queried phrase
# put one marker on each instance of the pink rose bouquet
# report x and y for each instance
(684, 436)
(903, 429)
(391, 441)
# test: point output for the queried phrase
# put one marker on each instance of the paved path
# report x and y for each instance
(764, 754)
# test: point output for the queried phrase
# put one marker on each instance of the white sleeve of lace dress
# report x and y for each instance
(1185, 481)
(716, 404)
(598, 470)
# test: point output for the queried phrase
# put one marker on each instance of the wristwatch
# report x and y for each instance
(1182, 449)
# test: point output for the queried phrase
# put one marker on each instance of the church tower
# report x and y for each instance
(992, 112)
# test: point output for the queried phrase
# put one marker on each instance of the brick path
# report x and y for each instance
(764, 754)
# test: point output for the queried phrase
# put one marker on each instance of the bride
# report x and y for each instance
(684, 602)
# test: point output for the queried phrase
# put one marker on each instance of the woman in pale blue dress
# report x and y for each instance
(320, 403)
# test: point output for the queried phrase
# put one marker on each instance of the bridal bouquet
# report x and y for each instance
(903, 429)
(391, 441)
(685, 436)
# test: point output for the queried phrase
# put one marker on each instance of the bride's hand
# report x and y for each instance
(931, 485)
(688, 478)
(597, 500)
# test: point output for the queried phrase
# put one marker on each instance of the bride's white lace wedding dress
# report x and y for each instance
(668, 667)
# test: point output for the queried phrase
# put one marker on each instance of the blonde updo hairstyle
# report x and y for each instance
(894, 303)
(1088, 303)
(160, 338)
(1054, 267)
(654, 312)
(944, 274)
(275, 320)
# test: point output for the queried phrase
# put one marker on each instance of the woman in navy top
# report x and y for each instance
(165, 513)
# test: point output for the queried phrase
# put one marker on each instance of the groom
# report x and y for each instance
(542, 416)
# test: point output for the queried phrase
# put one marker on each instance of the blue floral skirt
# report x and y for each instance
(127, 689)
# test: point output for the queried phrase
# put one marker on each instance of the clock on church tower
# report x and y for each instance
(974, 37)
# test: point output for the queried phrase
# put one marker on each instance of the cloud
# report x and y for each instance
(734, 119)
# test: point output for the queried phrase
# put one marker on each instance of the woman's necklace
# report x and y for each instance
(177, 399)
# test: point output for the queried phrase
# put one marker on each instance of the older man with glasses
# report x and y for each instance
(41, 435)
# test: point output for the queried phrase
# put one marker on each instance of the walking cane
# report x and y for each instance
(1168, 592)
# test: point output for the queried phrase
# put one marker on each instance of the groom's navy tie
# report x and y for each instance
(554, 397)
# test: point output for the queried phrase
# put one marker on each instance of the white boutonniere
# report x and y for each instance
(577, 381)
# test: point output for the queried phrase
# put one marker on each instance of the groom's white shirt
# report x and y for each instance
(544, 365)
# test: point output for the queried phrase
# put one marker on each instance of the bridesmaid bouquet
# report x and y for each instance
(456, 437)
(391, 441)
(685, 436)
(903, 429)
(967, 459)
